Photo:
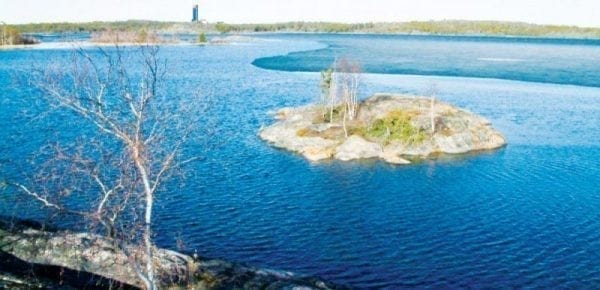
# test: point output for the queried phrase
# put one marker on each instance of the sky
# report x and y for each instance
(564, 12)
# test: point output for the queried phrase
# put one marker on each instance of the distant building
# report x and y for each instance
(195, 13)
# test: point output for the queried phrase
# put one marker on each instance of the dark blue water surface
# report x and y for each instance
(524, 216)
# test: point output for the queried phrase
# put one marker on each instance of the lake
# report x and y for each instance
(523, 216)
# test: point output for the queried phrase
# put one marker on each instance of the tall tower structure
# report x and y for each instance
(195, 13)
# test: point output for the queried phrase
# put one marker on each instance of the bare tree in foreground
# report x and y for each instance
(131, 143)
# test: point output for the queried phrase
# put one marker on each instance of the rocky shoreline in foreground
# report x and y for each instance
(397, 129)
(35, 257)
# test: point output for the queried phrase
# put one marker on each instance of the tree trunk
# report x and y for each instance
(150, 280)
(344, 122)
(432, 115)
(151, 283)
(332, 96)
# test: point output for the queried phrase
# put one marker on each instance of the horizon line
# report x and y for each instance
(303, 21)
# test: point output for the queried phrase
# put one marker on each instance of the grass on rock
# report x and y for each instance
(397, 126)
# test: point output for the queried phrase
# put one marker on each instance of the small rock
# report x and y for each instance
(283, 114)
(393, 158)
(317, 153)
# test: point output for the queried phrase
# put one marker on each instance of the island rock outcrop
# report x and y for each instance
(394, 128)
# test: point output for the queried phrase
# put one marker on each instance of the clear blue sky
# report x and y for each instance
(572, 12)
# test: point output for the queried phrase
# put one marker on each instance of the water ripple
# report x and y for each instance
(525, 216)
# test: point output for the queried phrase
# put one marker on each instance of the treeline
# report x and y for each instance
(451, 27)
(420, 27)
(487, 28)
(329, 27)
(60, 27)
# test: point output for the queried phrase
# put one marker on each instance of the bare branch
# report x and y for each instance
(38, 197)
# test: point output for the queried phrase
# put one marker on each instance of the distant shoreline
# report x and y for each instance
(426, 28)
(499, 36)
(484, 36)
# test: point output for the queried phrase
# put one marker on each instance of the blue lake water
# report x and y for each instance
(523, 216)
(558, 61)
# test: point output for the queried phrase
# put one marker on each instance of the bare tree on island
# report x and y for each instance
(326, 101)
(348, 73)
(432, 91)
(132, 137)
(339, 90)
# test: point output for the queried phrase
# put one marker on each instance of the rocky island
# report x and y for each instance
(398, 129)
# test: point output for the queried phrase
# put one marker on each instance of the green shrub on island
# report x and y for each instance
(396, 126)
(202, 38)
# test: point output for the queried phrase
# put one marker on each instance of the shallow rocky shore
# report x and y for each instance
(34, 257)
(457, 131)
